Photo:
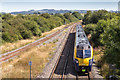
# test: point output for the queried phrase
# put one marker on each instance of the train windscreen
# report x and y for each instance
(83, 53)
(80, 53)
(87, 53)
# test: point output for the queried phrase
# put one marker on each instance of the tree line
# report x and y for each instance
(104, 28)
(17, 27)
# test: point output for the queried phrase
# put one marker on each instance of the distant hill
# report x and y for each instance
(50, 11)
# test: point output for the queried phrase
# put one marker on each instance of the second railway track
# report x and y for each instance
(6, 56)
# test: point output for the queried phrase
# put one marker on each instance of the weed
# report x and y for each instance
(43, 43)
(50, 42)
(10, 60)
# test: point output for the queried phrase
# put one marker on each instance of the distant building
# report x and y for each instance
(119, 6)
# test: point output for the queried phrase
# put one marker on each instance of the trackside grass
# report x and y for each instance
(19, 68)
(6, 47)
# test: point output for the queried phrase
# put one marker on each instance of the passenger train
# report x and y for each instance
(83, 51)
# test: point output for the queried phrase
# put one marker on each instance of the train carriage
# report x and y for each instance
(83, 51)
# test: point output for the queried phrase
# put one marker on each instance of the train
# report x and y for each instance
(83, 51)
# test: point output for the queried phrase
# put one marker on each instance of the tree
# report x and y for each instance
(70, 17)
(33, 27)
(6, 36)
(95, 36)
(94, 17)
(45, 15)
(25, 26)
(111, 40)
(87, 17)
(7, 16)
(26, 34)
(77, 15)
(90, 28)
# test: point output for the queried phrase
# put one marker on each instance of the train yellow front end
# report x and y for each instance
(83, 51)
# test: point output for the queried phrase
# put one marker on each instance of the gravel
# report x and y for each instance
(50, 65)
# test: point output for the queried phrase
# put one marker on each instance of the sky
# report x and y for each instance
(59, 0)
(25, 5)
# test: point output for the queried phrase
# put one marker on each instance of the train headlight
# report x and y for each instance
(76, 61)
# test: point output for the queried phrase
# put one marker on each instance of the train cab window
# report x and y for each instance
(79, 53)
(87, 54)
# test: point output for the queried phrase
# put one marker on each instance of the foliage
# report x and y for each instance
(77, 15)
(105, 32)
(90, 28)
(94, 17)
(111, 40)
(95, 35)
(45, 15)
(70, 17)
(17, 27)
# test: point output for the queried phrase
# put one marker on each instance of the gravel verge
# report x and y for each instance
(50, 65)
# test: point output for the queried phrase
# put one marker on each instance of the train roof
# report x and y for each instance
(82, 41)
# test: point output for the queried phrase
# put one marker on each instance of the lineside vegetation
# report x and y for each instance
(104, 28)
(17, 27)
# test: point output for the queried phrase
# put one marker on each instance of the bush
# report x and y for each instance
(105, 34)
(25, 26)
(89, 28)
(45, 15)
(77, 15)
(26, 34)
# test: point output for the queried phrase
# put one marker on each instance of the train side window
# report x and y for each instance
(79, 42)
(88, 46)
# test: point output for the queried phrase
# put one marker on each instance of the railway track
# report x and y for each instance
(64, 68)
(84, 76)
(11, 54)
(15, 52)
(64, 62)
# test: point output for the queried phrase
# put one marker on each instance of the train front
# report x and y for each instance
(83, 59)
(83, 51)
